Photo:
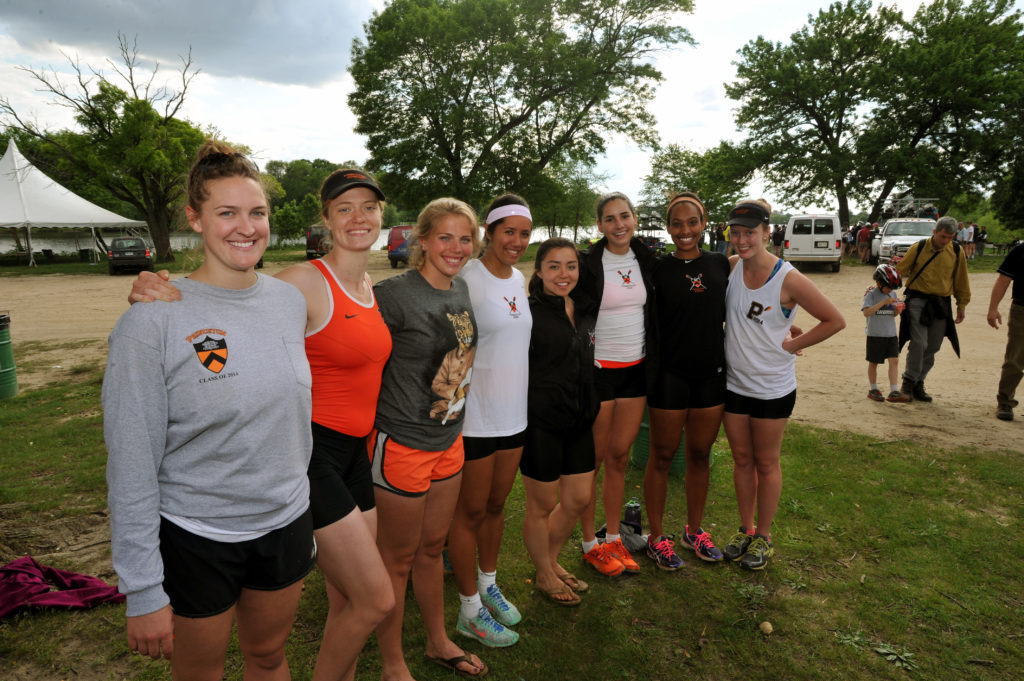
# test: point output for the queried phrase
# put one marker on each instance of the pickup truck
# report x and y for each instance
(897, 235)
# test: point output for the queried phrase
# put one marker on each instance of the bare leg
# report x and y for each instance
(469, 516)
(666, 431)
(744, 475)
(200, 645)
(767, 437)
(701, 431)
(400, 521)
(624, 426)
(428, 573)
(264, 621)
(506, 465)
(359, 592)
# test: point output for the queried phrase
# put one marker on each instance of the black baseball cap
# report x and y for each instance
(344, 179)
(748, 215)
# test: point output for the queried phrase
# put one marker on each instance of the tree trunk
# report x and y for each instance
(159, 222)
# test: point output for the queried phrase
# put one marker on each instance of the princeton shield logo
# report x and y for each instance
(213, 353)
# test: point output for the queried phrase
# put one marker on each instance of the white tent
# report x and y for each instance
(28, 199)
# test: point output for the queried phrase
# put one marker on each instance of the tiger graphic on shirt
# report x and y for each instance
(451, 382)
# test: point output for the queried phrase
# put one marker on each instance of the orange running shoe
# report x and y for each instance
(603, 561)
(621, 553)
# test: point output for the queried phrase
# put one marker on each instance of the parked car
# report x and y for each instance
(398, 245)
(129, 253)
(814, 238)
(896, 237)
(316, 242)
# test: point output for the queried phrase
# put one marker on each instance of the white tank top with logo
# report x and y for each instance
(755, 326)
(620, 321)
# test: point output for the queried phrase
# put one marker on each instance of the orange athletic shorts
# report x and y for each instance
(407, 471)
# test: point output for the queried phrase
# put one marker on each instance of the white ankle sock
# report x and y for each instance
(470, 605)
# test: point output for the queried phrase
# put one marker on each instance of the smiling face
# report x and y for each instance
(446, 249)
(234, 223)
(559, 271)
(685, 226)
(617, 222)
(354, 219)
(507, 241)
(747, 241)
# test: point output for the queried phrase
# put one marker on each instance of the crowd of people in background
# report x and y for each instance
(364, 428)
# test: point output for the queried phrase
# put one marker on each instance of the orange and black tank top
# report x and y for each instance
(347, 357)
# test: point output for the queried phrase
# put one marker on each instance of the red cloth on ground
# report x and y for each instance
(24, 582)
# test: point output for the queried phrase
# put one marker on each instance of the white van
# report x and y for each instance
(814, 238)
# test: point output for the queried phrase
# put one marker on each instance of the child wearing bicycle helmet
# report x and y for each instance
(880, 307)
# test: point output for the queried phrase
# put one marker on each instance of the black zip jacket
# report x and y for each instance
(561, 394)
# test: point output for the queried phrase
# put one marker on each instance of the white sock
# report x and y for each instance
(470, 605)
(484, 579)
(589, 545)
(874, 386)
(895, 388)
(611, 538)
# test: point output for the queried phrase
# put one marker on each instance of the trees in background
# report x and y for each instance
(130, 145)
(719, 176)
(862, 103)
(472, 97)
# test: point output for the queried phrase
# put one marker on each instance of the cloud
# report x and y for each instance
(304, 43)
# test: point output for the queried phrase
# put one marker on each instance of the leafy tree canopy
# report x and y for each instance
(861, 103)
(718, 176)
(473, 97)
(127, 147)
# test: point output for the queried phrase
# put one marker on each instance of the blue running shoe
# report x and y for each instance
(486, 629)
(701, 545)
(661, 552)
(499, 607)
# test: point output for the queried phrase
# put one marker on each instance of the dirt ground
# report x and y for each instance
(76, 313)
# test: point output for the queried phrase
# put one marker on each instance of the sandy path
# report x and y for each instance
(58, 309)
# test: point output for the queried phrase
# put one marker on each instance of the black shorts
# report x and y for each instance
(549, 454)
(881, 348)
(482, 447)
(675, 392)
(204, 577)
(339, 476)
(779, 408)
(614, 384)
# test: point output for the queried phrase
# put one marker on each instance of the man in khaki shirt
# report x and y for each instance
(934, 269)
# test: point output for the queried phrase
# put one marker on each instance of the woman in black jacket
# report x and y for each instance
(558, 457)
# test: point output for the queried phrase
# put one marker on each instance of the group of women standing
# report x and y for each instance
(425, 394)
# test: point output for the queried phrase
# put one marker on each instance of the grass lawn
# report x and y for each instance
(892, 561)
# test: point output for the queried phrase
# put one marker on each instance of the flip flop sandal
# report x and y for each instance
(552, 595)
(453, 663)
(574, 583)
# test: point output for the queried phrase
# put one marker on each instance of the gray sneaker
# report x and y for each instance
(758, 553)
(499, 607)
(486, 629)
(737, 545)
(1004, 414)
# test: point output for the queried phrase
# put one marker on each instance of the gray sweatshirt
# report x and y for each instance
(206, 412)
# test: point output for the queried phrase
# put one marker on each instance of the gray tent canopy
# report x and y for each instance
(28, 198)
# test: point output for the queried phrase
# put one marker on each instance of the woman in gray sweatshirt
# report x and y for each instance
(206, 418)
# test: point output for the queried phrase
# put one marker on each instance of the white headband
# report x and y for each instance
(507, 211)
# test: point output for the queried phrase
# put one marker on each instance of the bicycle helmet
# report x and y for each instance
(888, 276)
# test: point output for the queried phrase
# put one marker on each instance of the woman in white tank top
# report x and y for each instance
(761, 343)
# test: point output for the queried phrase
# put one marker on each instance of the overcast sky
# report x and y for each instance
(274, 74)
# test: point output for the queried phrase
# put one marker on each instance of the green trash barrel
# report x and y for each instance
(642, 449)
(8, 376)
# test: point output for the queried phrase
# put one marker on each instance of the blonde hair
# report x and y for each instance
(427, 220)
